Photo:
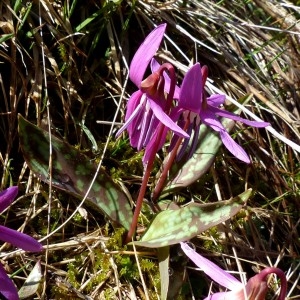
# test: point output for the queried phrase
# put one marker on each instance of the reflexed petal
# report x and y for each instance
(209, 119)
(7, 196)
(154, 65)
(151, 129)
(216, 100)
(7, 288)
(233, 147)
(166, 120)
(134, 108)
(212, 270)
(135, 104)
(191, 90)
(232, 116)
(147, 116)
(19, 239)
(145, 53)
(132, 103)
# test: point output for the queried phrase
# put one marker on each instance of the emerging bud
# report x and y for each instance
(257, 287)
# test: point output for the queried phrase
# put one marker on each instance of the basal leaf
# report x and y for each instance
(173, 226)
(72, 172)
(185, 173)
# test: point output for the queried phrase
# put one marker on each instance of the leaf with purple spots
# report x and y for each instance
(172, 226)
(72, 172)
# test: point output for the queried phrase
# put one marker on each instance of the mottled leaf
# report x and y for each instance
(204, 156)
(185, 173)
(72, 172)
(173, 226)
(32, 282)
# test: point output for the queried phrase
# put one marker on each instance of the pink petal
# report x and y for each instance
(19, 239)
(256, 288)
(233, 147)
(145, 127)
(154, 65)
(165, 119)
(150, 145)
(231, 295)
(191, 89)
(209, 119)
(134, 107)
(150, 148)
(216, 100)
(145, 53)
(132, 103)
(212, 270)
(7, 197)
(7, 288)
(232, 116)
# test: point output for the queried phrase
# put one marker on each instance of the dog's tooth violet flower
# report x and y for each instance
(196, 108)
(255, 289)
(146, 108)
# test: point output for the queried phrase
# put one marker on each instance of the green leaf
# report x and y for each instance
(173, 226)
(185, 173)
(72, 172)
(163, 255)
(5, 37)
(204, 156)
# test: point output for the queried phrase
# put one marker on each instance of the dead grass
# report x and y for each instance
(64, 63)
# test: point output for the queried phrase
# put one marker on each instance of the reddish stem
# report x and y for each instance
(139, 203)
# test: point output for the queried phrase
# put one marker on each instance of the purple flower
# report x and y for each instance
(15, 238)
(195, 108)
(147, 107)
(255, 289)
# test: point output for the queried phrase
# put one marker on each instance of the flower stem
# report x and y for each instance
(139, 203)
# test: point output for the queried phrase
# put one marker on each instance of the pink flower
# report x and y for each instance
(255, 289)
(146, 108)
(195, 108)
